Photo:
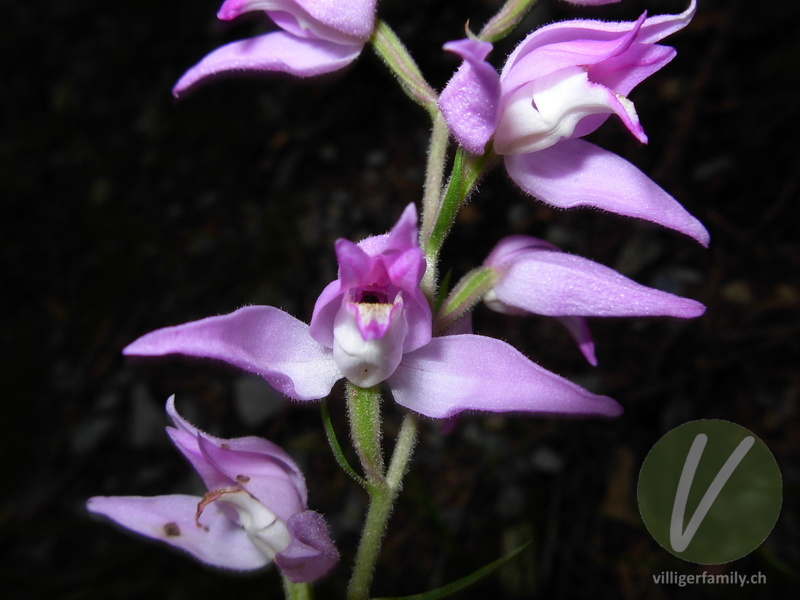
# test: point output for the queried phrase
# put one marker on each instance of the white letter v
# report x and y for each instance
(680, 540)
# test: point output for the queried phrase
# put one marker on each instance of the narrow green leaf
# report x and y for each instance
(460, 584)
(338, 453)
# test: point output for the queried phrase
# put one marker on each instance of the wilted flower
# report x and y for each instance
(253, 514)
(373, 325)
(318, 36)
(561, 83)
(534, 276)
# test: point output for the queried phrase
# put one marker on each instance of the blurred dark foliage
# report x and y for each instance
(125, 210)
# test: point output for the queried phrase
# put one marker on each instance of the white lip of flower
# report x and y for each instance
(547, 109)
(267, 532)
(367, 362)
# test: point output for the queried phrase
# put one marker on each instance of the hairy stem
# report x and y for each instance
(297, 591)
(381, 501)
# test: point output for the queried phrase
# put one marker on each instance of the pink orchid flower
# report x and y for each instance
(253, 514)
(561, 83)
(373, 325)
(316, 37)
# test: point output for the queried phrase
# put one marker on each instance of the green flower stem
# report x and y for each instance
(467, 171)
(381, 497)
(434, 174)
(508, 17)
(395, 56)
(464, 296)
(364, 412)
(297, 591)
(445, 215)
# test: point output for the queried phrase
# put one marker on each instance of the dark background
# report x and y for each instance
(125, 211)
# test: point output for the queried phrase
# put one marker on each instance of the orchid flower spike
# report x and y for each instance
(253, 514)
(316, 37)
(534, 276)
(373, 325)
(561, 83)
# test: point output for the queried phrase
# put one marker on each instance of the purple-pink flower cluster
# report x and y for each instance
(375, 324)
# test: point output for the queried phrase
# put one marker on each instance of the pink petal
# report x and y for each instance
(579, 330)
(585, 42)
(187, 438)
(558, 284)
(624, 72)
(576, 173)
(355, 17)
(262, 477)
(259, 339)
(277, 51)
(658, 27)
(472, 372)
(621, 74)
(324, 315)
(402, 237)
(512, 247)
(254, 445)
(217, 541)
(470, 100)
(311, 553)
(354, 265)
(567, 44)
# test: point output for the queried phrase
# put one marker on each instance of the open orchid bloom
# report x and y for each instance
(561, 83)
(534, 276)
(253, 514)
(373, 325)
(316, 37)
